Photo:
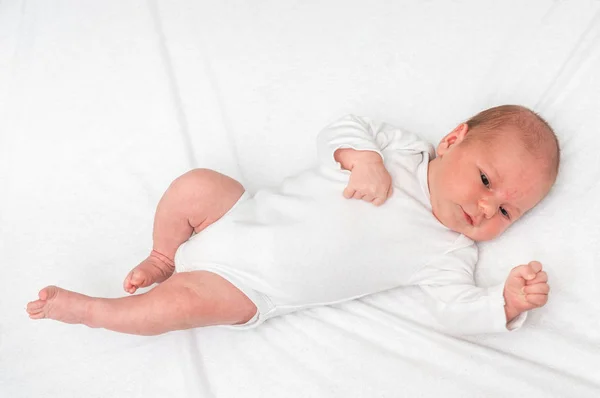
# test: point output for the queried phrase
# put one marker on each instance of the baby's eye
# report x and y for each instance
(484, 179)
(504, 212)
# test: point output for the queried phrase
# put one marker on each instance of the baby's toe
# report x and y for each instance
(128, 285)
(39, 315)
(138, 279)
(129, 288)
(48, 293)
(135, 277)
(35, 307)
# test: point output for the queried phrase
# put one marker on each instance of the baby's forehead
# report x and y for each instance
(510, 159)
(533, 137)
(524, 153)
(518, 176)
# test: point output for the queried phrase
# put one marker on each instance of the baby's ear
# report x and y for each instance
(454, 137)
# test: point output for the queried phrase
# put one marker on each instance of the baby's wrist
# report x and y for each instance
(511, 313)
(349, 158)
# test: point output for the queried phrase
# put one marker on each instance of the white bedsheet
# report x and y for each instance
(102, 104)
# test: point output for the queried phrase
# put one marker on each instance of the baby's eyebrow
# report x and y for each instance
(495, 176)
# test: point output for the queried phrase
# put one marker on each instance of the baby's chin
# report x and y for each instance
(478, 235)
(474, 236)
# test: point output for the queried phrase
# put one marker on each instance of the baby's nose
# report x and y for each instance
(488, 207)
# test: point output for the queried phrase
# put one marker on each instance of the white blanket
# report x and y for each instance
(102, 104)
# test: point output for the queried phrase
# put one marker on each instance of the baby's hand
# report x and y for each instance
(526, 288)
(369, 179)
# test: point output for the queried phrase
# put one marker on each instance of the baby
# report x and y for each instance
(380, 211)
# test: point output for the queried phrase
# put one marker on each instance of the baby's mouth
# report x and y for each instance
(467, 217)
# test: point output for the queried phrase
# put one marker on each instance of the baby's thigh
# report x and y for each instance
(203, 298)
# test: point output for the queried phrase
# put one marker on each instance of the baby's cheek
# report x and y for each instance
(467, 191)
(495, 228)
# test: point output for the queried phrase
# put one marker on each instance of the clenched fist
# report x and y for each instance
(369, 179)
(526, 288)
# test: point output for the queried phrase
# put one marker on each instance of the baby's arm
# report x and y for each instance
(362, 134)
(457, 303)
(357, 144)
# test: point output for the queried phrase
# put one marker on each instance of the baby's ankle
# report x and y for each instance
(161, 258)
(89, 314)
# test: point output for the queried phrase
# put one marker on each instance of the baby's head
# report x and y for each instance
(491, 170)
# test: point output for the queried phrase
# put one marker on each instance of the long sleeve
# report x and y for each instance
(459, 305)
(362, 134)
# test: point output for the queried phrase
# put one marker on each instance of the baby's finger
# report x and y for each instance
(358, 195)
(537, 299)
(536, 266)
(541, 277)
(380, 199)
(540, 288)
(389, 192)
(377, 201)
(368, 198)
(523, 271)
(381, 195)
(349, 192)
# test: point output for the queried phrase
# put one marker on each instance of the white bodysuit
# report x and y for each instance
(303, 244)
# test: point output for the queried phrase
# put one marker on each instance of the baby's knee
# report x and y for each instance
(212, 179)
(209, 182)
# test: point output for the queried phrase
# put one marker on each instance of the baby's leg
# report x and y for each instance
(184, 301)
(191, 203)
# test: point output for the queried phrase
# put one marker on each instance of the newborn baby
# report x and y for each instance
(379, 212)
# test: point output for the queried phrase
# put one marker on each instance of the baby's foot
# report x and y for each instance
(155, 269)
(59, 304)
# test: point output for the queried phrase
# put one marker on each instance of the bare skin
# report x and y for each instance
(200, 197)
(182, 301)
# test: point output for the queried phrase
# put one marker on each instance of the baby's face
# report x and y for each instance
(479, 189)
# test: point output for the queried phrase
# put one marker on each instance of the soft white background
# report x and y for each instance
(102, 104)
